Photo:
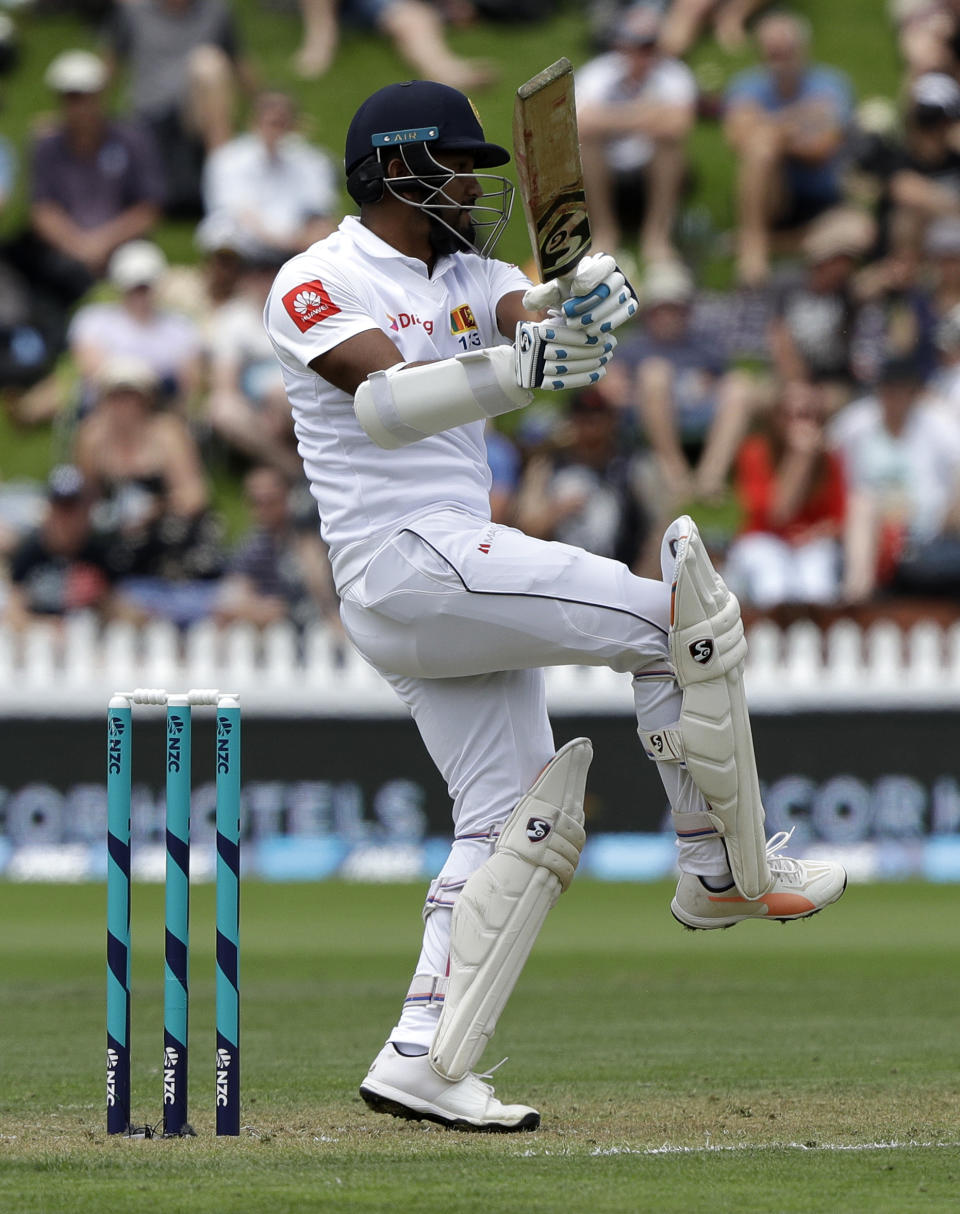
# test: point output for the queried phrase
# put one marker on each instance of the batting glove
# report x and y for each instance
(553, 356)
(598, 297)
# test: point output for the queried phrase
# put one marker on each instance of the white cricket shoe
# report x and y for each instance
(800, 888)
(411, 1088)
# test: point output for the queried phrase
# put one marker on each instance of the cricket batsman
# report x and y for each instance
(399, 335)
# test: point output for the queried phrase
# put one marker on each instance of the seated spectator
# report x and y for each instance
(693, 409)
(923, 176)
(812, 332)
(95, 184)
(786, 122)
(792, 493)
(901, 452)
(687, 19)
(415, 27)
(247, 408)
(945, 382)
(135, 326)
(277, 190)
(928, 34)
(63, 565)
(281, 570)
(145, 465)
(588, 491)
(942, 250)
(635, 108)
(198, 289)
(901, 302)
(183, 64)
(31, 327)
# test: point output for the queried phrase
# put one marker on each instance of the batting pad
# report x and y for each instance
(713, 737)
(503, 905)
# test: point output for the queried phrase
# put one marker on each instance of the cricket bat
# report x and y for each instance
(547, 152)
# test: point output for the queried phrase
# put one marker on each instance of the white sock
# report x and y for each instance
(418, 1020)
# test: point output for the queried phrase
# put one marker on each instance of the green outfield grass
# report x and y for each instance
(810, 1067)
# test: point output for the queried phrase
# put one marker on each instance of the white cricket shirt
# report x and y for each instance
(283, 190)
(344, 285)
(606, 80)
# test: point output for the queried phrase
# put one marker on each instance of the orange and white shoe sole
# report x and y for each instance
(779, 908)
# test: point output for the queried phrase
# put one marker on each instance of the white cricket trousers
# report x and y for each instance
(460, 616)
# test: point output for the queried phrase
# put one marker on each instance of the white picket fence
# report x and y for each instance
(74, 670)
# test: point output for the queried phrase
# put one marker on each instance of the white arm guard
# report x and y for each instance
(503, 905)
(403, 404)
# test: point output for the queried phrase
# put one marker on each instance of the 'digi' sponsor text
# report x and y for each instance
(403, 320)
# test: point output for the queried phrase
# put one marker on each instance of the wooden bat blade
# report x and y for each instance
(547, 151)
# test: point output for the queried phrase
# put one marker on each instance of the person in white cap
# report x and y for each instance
(635, 108)
(925, 178)
(95, 183)
(135, 325)
(62, 565)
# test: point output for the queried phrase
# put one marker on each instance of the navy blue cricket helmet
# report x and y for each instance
(415, 121)
(416, 112)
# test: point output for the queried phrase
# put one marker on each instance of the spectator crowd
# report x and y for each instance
(808, 415)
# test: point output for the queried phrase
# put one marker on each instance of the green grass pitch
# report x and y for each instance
(806, 1067)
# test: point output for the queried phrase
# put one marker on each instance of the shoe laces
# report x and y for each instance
(784, 866)
(487, 1074)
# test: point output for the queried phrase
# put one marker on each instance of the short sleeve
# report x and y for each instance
(147, 173)
(312, 308)
(7, 168)
(43, 171)
(503, 278)
(747, 88)
(754, 482)
(25, 556)
(597, 81)
(674, 84)
(835, 87)
(91, 324)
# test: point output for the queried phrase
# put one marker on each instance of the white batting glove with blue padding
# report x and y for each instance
(606, 308)
(597, 297)
(552, 356)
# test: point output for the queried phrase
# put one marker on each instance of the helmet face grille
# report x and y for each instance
(425, 186)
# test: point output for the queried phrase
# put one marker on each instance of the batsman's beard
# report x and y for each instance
(456, 237)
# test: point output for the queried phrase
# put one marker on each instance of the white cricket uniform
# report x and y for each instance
(458, 614)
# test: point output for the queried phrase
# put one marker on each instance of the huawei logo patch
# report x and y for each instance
(308, 304)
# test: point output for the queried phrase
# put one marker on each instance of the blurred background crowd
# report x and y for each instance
(794, 381)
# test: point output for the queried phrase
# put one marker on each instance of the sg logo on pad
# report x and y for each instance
(701, 651)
